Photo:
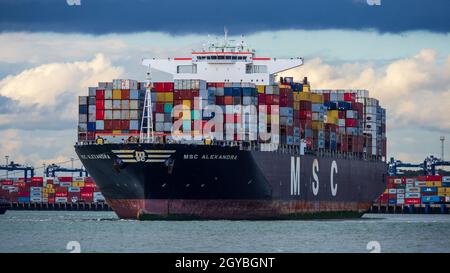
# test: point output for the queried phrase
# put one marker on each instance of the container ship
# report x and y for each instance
(223, 136)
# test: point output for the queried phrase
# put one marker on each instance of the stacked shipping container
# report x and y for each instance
(51, 190)
(347, 121)
(432, 189)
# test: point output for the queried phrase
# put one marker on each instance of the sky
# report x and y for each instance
(50, 52)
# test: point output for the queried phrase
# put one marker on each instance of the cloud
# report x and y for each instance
(46, 96)
(203, 16)
(415, 91)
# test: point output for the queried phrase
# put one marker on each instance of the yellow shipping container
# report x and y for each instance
(317, 125)
(302, 96)
(117, 94)
(332, 120)
(333, 114)
(316, 98)
(296, 105)
(306, 88)
(117, 132)
(261, 89)
(45, 195)
(433, 184)
(187, 103)
(168, 96)
(80, 184)
(186, 115)
(160, 97)
(49, 186)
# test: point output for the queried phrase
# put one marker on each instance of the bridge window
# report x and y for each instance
(189, 69)
(251, 69)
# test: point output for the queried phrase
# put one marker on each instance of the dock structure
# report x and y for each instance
(61, 206)
(410, 209)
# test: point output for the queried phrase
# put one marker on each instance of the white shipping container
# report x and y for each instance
(125, 114)
(392, 191)
(108, 114)
(400, 190)
(412, 195)
(446, 179)
(413, 189)
(34, 189)
(409, 181)
(117, 114)
(36, 199)
(65, 184)
(400, 196)
(108, 94)
(397, 181)
(134, 104)
(78, 179)
(60, 199)
(134, 114)
(74, 189)
(108, 104)
(420, 183)
(400, 201)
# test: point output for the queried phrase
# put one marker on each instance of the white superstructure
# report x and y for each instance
(224, 62)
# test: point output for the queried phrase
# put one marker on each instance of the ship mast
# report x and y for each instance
(147, 133)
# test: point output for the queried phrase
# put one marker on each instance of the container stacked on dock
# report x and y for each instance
(431, 189)
(51, 190)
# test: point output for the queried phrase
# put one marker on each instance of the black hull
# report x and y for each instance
(213, 182)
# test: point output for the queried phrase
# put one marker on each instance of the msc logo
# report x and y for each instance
(295, 177)
(140, 156)
(73, 2)
(147, 156)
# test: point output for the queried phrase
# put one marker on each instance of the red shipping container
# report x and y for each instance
(168, 86)
(125, 94)
(228, 100)
(100, 94)
(433, 178)
(51, 200)
(341, 114)
(100, 114)
(305, 105)
(65, 179)
(305, 114)
(262, 98)
(326, 97)
(220, 84)
(351, 122)
(412, 201)
(349, 97)
(89, 179)
(124, 124)
(159, 107)
(158, 86)
(272, 99)
(60, 194)
(37, 179)
(108, 124)
(7, 182)
(99, 104)
(88, 186)
(116, 125)
(220, 100)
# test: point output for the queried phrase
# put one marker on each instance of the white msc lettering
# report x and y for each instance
(315, 182)
(295, 175)
(334, 170)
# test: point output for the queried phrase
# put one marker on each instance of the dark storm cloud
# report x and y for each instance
(208, 16)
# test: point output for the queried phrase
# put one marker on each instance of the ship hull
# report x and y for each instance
(184, 182)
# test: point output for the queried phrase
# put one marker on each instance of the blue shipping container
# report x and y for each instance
(428, 189)
(91, 126)
(83, 109)
(134, 124)
(228, 91)
(23, 199)
(431, 199)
